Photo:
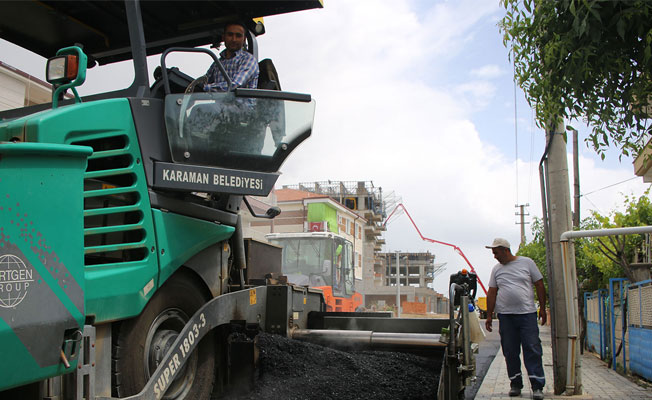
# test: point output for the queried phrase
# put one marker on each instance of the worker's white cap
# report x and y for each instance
(499, 242)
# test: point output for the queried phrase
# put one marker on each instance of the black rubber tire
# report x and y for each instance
(181, 297)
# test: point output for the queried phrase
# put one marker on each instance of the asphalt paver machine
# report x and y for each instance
(122, 265)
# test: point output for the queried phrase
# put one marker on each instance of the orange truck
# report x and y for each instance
(321, 260)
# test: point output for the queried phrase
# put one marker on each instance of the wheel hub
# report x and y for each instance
(160, 337)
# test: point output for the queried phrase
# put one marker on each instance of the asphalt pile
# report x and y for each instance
(290, 369)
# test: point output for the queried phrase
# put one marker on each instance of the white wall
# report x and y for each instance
(12, 92)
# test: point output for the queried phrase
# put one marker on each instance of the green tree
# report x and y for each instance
(613, 255)
(536, 249)
(587, 273)
(599, 259)
(585, 60)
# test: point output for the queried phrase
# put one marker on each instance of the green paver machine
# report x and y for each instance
(119, 211)
(123, 270)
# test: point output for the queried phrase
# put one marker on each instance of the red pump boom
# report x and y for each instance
(457, 249)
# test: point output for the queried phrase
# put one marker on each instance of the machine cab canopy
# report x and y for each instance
(253, 128)
(103, 29)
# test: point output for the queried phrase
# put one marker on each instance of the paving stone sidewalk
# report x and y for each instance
(598, 381)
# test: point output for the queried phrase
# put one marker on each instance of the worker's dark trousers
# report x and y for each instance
(516, 330)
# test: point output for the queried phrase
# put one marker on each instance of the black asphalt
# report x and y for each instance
(486, 354)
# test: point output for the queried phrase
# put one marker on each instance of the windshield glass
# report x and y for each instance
(307, 261)
(222, 130)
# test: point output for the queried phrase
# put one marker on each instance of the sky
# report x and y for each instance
(418, 97)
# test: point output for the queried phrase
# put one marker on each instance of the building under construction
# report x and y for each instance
(410, 280)
(378, 283)
(366, 200)
(355, 195)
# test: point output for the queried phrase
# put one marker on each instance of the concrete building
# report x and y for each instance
(19, 89)
(415, 272)
(643, 163)
(415, 269)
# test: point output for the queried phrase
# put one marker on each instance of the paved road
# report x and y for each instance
(598, 381)
(486, 354)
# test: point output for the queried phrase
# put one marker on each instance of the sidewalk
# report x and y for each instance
(598, 381)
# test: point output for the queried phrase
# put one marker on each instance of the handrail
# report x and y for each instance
(164, 70)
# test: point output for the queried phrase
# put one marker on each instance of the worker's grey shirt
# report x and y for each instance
(514, 282)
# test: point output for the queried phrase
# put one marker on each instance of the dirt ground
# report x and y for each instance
(290, 369)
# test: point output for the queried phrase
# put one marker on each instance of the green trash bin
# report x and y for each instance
(41, 259)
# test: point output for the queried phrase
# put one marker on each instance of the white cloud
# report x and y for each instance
(487, 72)
(478, 93)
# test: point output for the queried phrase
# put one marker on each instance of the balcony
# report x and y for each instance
(643, 162)
(371, 231)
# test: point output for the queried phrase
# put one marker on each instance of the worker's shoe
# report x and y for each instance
(537, 394)
(513, 392)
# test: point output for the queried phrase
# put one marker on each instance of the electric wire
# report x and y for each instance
(593, 204)
(608, 186)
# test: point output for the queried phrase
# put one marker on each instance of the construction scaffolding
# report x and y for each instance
(355, 195)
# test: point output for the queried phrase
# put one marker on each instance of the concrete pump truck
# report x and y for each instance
(123, 271)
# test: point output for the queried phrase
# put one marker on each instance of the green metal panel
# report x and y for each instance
(318, 212)
(180, 238)
(41, 260)
(121, 267)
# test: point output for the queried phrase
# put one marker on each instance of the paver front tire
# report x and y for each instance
(143, 341)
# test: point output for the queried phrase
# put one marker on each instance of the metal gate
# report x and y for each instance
(639, 322)
(596, 314)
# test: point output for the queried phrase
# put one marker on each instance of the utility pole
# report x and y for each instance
(522, 222)
(398, 287)
(560, 222)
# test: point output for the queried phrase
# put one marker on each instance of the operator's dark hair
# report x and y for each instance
(235, 22)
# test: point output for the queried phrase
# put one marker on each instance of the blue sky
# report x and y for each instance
(416, 96)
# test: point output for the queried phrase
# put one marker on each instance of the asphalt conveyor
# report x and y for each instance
(370, 340)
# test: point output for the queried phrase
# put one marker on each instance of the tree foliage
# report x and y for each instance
(615, 254)
(585, 60)
(536, 249)
(599, 259)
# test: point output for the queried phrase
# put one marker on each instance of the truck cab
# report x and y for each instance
(322, 260)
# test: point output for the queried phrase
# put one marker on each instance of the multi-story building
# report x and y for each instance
(415, 272)
(366, 202)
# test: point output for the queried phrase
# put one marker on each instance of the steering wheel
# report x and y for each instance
(202, 80)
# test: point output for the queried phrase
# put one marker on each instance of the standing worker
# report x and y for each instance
(511, 294)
